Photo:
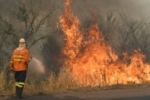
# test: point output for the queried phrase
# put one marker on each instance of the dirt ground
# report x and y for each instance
(136, 93)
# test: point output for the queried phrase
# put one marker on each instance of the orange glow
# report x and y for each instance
(91, 60)
(70, 26)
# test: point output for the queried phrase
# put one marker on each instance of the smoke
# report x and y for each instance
(82, 9)
(37, 66)
(132, 8)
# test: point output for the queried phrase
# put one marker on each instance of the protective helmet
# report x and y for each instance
(22, 40)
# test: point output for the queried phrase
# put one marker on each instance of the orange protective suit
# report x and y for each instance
(20, 59)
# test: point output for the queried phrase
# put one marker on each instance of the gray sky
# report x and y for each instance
(132, 8)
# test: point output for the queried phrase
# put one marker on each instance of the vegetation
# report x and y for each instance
(44, 85)
(35, 20)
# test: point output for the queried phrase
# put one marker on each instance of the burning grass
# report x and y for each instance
(55, 84)
(90, 62)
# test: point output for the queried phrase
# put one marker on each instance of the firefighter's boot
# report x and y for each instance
(19, 92)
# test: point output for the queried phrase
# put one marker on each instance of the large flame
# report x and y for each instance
(70, 26)
(91, 59)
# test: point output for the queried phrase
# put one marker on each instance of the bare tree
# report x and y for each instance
(32, 21)
(133, 34)
(24, 18)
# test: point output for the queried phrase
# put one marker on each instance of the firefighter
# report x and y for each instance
(19, 64)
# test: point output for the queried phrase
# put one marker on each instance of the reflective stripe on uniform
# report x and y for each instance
(19, 60)
(19, 56)
(19, 84)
